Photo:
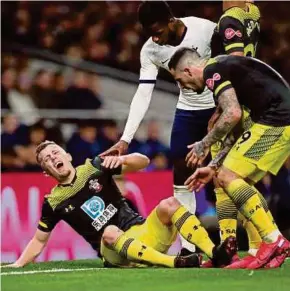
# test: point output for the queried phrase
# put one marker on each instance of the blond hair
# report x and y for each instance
(41, 147)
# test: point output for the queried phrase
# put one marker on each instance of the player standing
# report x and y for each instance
(193, 111)
(263, 147)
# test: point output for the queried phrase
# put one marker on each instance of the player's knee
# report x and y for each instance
(111, 234)
(225, 177)
(168, 206)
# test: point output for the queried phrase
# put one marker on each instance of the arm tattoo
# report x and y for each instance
(199, 149)
(229, 118)
(227, 145)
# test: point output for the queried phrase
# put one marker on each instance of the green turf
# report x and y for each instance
(155, 279)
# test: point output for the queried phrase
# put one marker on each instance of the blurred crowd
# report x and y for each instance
(108, 31)
(46, 89)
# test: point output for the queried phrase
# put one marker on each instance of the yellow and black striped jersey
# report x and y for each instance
(237, 31)
(258, 87)
(88, 204)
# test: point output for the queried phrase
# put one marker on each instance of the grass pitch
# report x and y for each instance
(87, 275)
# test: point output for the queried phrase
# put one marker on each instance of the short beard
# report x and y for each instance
(57, 176)
(172, 38)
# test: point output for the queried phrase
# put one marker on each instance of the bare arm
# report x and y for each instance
(130, 163)
(214, 118)
(231, 115)
(33, 249)
(134, 162)
(218, 160)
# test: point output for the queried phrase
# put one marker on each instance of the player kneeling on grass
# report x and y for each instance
(264, 146)
(88, 199)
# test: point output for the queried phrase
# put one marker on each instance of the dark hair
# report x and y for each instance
(150, 12)
(41, 147)
(179, 54)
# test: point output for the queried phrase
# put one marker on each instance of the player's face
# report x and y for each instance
(55, 162)
(161, 33)
(188, 79)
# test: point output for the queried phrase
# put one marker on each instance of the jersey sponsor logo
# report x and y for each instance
(230, 33)
(210, 82)
(95, 209)
(95, 186)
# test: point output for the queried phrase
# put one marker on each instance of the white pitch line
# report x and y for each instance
(49, 271)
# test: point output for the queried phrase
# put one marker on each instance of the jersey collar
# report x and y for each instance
(71, 183)
(183, 34)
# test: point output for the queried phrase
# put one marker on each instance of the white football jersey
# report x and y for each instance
(153, 56)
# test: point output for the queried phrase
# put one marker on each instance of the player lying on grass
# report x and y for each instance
(88, 199)
(239, 81)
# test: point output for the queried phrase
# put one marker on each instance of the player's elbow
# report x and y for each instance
(236, 114)
(135, 162)
(144, 160)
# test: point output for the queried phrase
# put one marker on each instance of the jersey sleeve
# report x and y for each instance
(148, 71)
(216, 78)
(48, 218)
(142, 98)
(209, 28)
(231, 32)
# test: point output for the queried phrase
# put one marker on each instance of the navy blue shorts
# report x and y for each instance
(188, 127)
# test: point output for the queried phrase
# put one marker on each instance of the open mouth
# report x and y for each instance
(59, 165)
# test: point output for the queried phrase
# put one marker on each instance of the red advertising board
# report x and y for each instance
(21, 199)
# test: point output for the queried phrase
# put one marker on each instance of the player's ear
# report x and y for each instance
(45, 174)
(187, 71)
(171, 23)
(69, 157)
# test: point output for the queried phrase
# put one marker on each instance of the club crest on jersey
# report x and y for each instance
(95, 186)
(230, 33)
(96, 210)
(210, 82)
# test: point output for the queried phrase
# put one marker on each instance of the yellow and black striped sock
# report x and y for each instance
(249, 204)
(190, 228)
(253, 235)
(226, 213)
(266, 207)
(134, 250)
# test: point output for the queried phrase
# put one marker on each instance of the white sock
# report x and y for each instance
(272, 237)
(252, 252)
(187, 199)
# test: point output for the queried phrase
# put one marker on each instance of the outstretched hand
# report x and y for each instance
(112, 162)
(118, 149)
(197, 154)
(199, 178)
